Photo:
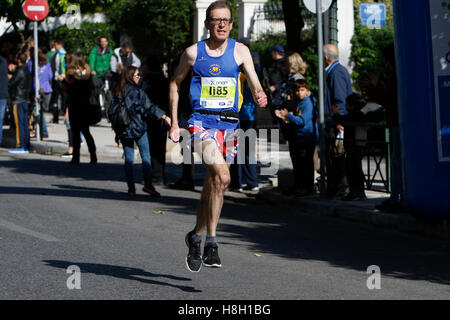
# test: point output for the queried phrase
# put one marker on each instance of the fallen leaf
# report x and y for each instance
(257, 255)
(157, 212)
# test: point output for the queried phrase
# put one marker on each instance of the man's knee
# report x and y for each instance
(222, 180)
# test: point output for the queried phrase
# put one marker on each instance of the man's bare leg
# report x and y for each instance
(209, 209)
(216, 182)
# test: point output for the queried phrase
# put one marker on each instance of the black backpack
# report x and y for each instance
(118, 115)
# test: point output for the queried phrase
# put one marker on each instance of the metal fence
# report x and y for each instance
(269, 19)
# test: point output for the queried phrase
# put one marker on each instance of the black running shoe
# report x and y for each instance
(194, 258)
(211, 256)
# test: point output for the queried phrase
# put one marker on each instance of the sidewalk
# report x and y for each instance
(57, 142)
(362, 211)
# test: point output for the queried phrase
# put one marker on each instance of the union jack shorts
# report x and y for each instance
(227, 141)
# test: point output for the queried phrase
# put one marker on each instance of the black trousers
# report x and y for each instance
(353, 167)
(76, 130)
(302, 156)
(58, 91)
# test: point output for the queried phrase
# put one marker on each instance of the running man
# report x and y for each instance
(215, 64)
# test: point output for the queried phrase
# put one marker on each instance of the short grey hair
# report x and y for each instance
(330, 53)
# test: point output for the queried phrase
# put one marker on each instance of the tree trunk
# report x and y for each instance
(294, 24)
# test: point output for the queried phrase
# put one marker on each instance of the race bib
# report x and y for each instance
(218, 93)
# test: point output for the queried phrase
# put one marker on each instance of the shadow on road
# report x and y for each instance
(273, 229)
(280, 231)
(123, 273)
(102, 171)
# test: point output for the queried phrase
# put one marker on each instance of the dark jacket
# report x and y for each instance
(140, 108)
(19, 85)
(278, 75)
(338, 88)
(3, 78)
(78, 86)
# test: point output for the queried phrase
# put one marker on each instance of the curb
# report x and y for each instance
(52, 148)
(367, 215)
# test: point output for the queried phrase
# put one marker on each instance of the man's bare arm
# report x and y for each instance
(186, 62)
(244, 59)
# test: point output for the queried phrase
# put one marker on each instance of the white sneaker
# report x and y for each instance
(19, 151)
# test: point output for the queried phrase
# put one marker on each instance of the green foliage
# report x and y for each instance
(83, 40)
(158, 28)
(367, 56)
(367, 46)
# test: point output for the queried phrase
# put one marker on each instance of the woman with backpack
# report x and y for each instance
(139, 108)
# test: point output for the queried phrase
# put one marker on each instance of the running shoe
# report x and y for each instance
(211, 256)
(194, 258)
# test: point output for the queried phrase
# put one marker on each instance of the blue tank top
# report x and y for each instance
(214, 86)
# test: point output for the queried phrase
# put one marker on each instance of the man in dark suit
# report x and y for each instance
(338, 88)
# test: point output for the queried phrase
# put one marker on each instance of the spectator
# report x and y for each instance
(78, 86)
(51, 52)
(275, 78)
(156, 86)
(139, 108)
(99, 61)
(338, 87)
(353, 150)
(246, 172)
(45, 76)
(59, 71)
(3, 93)
(297, 70)
(123, 57)
(19, 90)
(302, 139)
(277, 75)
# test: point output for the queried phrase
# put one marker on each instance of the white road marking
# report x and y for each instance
(13, 227)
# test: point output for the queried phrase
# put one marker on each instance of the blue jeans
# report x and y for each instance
(2, 117)
(247, 171)
(144, 150)
(20, 109)
(43, 123)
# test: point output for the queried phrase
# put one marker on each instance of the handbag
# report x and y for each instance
(94, 115)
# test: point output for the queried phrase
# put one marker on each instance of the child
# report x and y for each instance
(302, 138)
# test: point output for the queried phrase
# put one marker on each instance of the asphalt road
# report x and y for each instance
(53, 216)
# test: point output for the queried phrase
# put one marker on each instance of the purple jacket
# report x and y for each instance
(45, 77)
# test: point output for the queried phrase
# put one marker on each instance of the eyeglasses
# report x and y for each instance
(216, 21)
(137, 75)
